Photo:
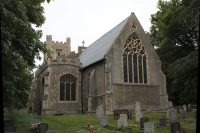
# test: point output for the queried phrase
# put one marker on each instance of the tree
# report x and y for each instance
(20, 45)
(175, 35)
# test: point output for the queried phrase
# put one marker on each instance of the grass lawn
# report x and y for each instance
(74, 123)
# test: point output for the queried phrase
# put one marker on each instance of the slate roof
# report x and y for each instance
(97, 50)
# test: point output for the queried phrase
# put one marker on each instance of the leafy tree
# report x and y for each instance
(175, 35)
(20, 45)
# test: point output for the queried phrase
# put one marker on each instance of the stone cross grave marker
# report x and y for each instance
(195, 113)
(142, 121)
(148, 127)
(53, 131)
(9, 129)
(124, 117)
(99, 111)
(138, 116)
(137, 107)
(34, 121)
(185, 108)
(120, 123)
(87, 122)
(42, 128)
(162, 121)
(172, 115)
(83, 131)
(183, 113)
(175, 126)
(103, 120)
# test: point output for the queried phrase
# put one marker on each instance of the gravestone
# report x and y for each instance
(83, 131)
(180, 109)
(42, 127)
(172, 115)
(137, 107)
(148, 127)
(124, 117)
(8, 122)
(170, 104)
(175, 126)
(138, 116)
(9, 129)
(189, 107)
(148, 110)
(35, 121)
(162, 121)
(168, 114)
(103, 120)
(53, 132)
(185, 108)
(142, 121)
(195, 113)
(182, 113)
(120, 123)
(99, 111)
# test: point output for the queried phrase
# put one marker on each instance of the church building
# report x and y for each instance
(118, 69)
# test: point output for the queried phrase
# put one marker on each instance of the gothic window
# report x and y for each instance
(58, 53)
(134, 61)
(67, 88)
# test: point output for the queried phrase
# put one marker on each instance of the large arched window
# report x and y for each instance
(68, 88)
(134, 61)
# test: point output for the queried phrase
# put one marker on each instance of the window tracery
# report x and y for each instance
(67, 88)
(134, 61)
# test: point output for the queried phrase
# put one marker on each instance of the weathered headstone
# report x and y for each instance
(103, 120)
(148, 127)
(148, 110)
(137, 107)
(124, 117)
(99, 111)
(195, 113)
(53, 131)
(175, 126)
(120, 123)
(185, 108)
(189, 107)
(8, 122)
(83, 131)
(9, 129)
(142, 120)
(180, 109)
(182, 113)
(172, 115)
(138, 116)
(35, 121)
(168, 114)
(170, 104)
(42, 128)
(162, 121)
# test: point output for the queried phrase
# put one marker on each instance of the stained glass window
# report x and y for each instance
(67, 91)
(135, 68)
(140, 69)
(73, 88)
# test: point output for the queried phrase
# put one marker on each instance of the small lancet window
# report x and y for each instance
(134, 61)
(58, 53)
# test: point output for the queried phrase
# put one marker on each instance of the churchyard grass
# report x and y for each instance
(74, 123)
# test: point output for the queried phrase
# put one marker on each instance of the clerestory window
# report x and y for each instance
(134, 61)
(68, 88)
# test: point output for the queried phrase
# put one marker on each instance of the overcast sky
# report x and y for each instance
(88, 20)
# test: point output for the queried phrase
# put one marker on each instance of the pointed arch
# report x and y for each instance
(134, 60)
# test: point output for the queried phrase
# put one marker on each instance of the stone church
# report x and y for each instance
(118, 69)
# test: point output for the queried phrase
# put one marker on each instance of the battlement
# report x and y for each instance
(50, 41)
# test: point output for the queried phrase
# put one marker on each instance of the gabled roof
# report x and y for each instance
(97, 50)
